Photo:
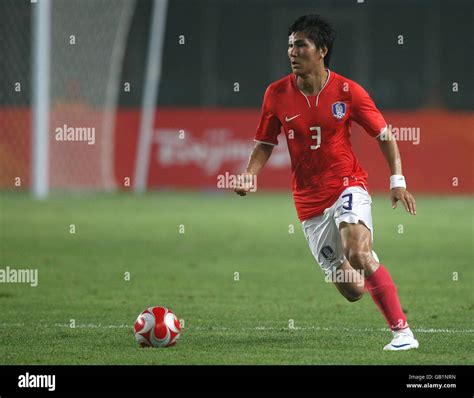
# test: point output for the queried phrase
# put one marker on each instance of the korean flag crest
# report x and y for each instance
(339, 110)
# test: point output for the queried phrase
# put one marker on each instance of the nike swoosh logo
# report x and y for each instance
(399, 346)
(287, 119)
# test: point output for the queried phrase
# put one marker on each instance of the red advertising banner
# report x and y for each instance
(191, 148)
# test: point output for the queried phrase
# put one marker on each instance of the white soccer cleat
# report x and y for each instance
(402, 340)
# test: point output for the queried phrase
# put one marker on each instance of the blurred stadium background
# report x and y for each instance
(217, 59)
(184, 80)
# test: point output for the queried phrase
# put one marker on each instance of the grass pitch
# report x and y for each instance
(232, 269)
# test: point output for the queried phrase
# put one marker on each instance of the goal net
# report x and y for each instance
(87, 44)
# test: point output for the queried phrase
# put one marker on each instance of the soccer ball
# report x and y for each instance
(157, 327)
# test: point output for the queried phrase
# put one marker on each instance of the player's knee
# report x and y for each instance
(360, 259)
(351, 293)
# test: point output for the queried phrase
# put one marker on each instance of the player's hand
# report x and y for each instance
(402, 195)
(245, 183)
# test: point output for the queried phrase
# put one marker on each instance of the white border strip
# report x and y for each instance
(263, 142)
(322, 88)
(382, 131)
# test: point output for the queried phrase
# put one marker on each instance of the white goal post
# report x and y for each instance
(150, 93)
(77, 51)
(41, 42)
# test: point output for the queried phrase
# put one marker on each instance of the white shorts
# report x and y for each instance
(322, 232)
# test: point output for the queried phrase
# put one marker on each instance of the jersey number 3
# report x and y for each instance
(316, 137)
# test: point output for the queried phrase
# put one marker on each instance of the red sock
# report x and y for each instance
(384, 293)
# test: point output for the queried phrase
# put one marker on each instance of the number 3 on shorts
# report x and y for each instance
(348, 204)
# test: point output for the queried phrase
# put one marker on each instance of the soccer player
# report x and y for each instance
(315, 107)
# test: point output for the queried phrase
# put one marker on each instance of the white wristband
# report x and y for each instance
(397, 180)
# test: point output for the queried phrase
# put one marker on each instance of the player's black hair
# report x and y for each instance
(318, 30)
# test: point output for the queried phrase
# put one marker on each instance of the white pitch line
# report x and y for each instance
(258, 328)
(92, 326)
(334, 328)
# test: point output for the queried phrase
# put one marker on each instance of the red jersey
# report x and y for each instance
(317, 130)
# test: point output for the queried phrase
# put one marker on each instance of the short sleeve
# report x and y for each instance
(365, 113)
(269, 126)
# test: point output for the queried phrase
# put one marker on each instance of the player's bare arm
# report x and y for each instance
(258, 158)
(389, 148)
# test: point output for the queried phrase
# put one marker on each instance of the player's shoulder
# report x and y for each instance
(281, 86)
(347, 84)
